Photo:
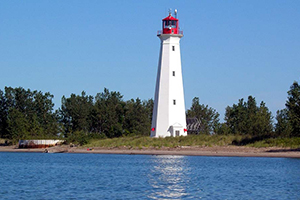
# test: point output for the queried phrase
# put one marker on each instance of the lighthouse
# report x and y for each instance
(168, 117)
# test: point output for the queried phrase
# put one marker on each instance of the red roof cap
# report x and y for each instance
(170, 18)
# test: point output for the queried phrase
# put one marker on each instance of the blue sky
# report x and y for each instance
(230, 49)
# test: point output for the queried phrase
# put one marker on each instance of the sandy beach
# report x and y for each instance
(221, 151)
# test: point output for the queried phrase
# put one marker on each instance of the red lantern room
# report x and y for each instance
(170, 25)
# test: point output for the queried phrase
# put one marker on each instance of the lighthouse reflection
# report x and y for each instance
(168, 178)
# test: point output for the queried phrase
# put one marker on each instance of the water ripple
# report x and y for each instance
(96, 176)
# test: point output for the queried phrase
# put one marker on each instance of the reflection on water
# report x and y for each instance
(168, 177)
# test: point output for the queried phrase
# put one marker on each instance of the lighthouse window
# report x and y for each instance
(170, 23)
(174, 102)
(173, 73)
(167, 24)
(173, 48)
(173, 24)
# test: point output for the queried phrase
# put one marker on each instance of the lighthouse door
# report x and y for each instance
(175, 130)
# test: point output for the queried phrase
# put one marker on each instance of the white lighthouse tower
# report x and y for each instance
(169, 109)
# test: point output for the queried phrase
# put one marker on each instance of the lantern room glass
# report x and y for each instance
(170, 23)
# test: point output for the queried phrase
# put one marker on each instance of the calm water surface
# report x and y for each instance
(100, 176)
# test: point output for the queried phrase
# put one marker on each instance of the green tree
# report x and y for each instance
(20, 99)
(18, 125)
(108, 116)
(137, 120)
(3, 116)
(251, 117)
(148, 104)
(283, 126)
(247, 118)
(208, 117)
(44, 120)
(236, 117)
(31, 107)
(264, 121)
(75, 113)
(293, 108)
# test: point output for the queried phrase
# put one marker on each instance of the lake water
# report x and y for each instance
(102, 176)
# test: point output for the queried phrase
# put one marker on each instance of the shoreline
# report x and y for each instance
(217, 151)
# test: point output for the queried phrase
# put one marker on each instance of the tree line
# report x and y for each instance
(30, 114)
(248, 118)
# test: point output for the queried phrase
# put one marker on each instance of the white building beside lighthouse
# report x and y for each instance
(169, 117)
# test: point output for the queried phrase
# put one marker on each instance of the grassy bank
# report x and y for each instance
(191, 140)
(146, 141)
(293, 143)
(194, 140)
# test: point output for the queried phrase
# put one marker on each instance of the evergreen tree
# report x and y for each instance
(109, 113)
(137, 120)
(283, 126)
(208, 117)
(293, 108)
(26, 113)
(3, 116)
(18, 125)
(236, 117)
(251, 118)
(75, 113)
(264, 121)
(247, 118)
